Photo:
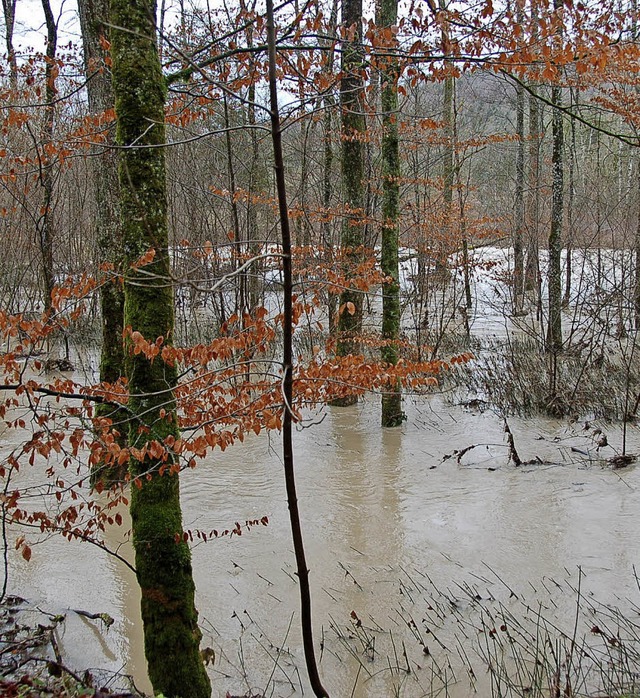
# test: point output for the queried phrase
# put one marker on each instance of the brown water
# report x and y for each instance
(393, 533)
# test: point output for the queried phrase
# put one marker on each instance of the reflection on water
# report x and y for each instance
(396, 537)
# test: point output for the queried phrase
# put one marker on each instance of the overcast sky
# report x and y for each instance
(30, 33)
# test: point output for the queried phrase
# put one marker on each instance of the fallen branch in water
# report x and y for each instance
(104, 617)
(513, 452)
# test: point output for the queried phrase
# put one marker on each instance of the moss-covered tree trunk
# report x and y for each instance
(353, 134)
(163, 560)
(392, 415)
(94, 23)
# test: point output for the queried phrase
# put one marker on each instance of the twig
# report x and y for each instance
(513, 453)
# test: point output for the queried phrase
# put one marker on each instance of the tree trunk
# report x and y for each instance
(353, 132)
(240, 305)
(163, 559)
(392, 415)
(532, 270)
(327, 166)
(255, 182)
(518, 233)
(44, 224)
(94, 16)
(287, 371)
(448, 167)
(570, 213)
(9, 10)
(637, 252)
(554, 274)
(533, 208)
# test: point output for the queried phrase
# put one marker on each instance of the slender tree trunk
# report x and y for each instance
(554, 334)
(468, 300)
(44, 226)
(353, 132)
(162, 557)
(637, 251)
(327, 166)
(466, 262)
(392, 415)
(161, 27)
(327, 195)
(287, 369)
(448, 156)
(9, 10)
(253, 237)
(532, 270)
(304, 229)
(237, 250)
(533, 208)
(554, 274)
(518, 233)
(570, 214)
(94, 20)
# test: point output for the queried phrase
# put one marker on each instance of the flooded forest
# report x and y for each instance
(319, 337)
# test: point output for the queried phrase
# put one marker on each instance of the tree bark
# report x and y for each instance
(636, 290)
(163, 559)
(554, 274)
(327, 165)
(353, 134)
(240, 305)
(392, 415)
(570, 212)
(256, 179)
(448, 167)
(44, 224)
(518, 233)
(9, 11)
(533, 207)
(532, 270)
(94, 16)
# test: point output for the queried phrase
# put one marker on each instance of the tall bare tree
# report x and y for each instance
(554, 275)
(44, 223)
(9, 11)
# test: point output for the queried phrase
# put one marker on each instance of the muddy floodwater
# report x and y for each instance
(413, 554)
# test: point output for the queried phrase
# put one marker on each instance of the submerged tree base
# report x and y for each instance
(392, 414)
(347, 401)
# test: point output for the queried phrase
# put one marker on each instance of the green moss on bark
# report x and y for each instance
(163, 565)
(392, 415)
(353, 131)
